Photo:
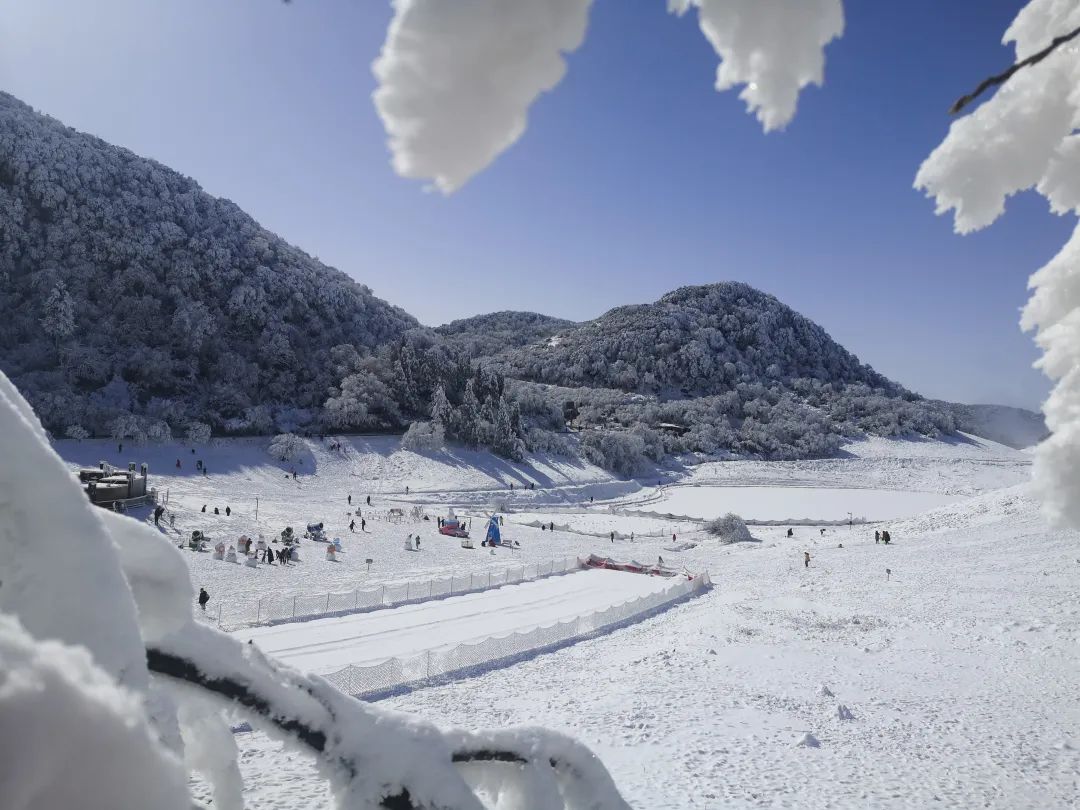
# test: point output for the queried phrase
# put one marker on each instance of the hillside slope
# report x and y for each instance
(694, 341)
(491, 334)
(1013, 427)
(124, 287)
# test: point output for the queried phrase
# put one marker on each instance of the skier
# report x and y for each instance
(216, 512)
(204, 597)
(120, 448)
(350, 500)
(631, 537)
(363, 524)
(205, 472)
(228, 511)
(204, 507)
(369, 500)
(511, 486)
(613, 537)
(877, 536)
(158, 512)
(417, 542)
(806, 559)
(178, 464)
(406, 490)
(352, 525)
(673, 537)
(790, 532)
(886, 538)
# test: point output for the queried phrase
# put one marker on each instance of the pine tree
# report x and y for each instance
(441, 411)
(468, 416)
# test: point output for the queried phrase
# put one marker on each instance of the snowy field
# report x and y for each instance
(792, 503)
(937, 671)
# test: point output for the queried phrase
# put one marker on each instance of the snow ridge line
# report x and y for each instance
(396, 676)
(308, 607)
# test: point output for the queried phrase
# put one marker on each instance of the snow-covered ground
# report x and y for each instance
(937, 671)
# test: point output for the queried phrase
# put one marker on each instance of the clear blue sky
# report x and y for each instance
(635, 177)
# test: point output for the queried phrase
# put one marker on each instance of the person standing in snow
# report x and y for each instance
(363, 524)
(204, 597)
(350, 500)
(886, 538)
(120, 448)
(216, 512)
(228, 511)
(806, 559)
(877, 536)
(790, 532)
(369, 500)
(178, 464)
(204, 507)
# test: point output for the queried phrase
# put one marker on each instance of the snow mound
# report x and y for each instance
(808, 740)
(83, 741)
(843, 712)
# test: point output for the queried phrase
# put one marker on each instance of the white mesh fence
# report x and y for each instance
(283, 607)
(373, 680)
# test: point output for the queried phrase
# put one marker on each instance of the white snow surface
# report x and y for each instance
(326, 645)
(956, 668)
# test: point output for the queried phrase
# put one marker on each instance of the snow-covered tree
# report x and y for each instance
(441, 409)
(286, 447)
(424, 437)
(77, 432)
(58, 316)
(198, 432)
(1025, 137)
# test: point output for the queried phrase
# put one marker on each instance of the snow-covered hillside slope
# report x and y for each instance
(1015, 427)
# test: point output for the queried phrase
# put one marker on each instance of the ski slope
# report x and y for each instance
(326, 645)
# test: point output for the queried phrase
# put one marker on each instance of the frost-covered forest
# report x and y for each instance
(127, 290)
(136, 305)
(487, 335)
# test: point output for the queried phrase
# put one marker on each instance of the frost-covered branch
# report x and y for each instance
(1005, 75)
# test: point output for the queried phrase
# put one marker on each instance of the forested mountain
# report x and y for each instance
(488, 335)
(126, 289)
(694, 341)
(132, 303)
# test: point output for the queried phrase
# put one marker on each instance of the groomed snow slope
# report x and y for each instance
(325, 645)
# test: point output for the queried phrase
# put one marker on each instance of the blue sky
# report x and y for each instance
(634, 178)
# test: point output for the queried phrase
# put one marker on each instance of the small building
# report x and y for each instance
(106, 485)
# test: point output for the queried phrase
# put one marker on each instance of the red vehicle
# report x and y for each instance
(453, 527)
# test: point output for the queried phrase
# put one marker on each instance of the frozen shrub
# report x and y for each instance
(729, 529)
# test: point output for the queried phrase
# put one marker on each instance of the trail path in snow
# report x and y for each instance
(325, 645)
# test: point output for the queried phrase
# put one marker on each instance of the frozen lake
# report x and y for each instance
(793, 503)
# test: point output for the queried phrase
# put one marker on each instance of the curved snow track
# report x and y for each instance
(325, 645)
